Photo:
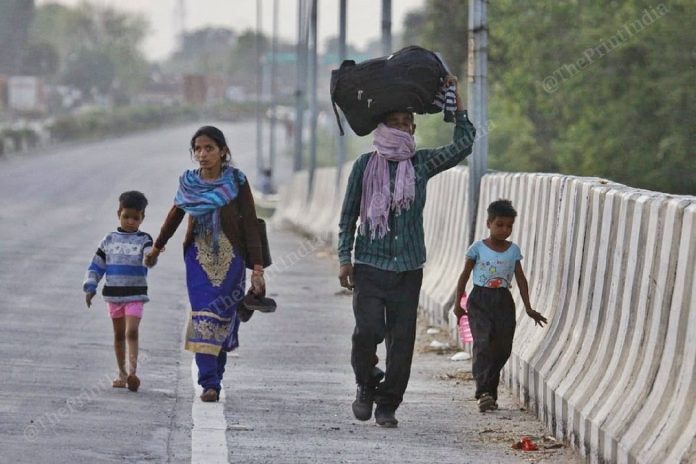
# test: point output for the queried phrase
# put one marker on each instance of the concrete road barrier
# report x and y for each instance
(322, 204)
(446, 240)
(293, 199)
(317, 213)
(612, 268)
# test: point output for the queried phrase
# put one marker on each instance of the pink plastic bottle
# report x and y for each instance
(464, 329)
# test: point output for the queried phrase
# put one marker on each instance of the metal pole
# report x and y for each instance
(386, 27)
(180, 19)
(342, 52)
(274, 85)
(259, 90)
(313, 97)
(342, 49)
(478, 103)
(301, 84)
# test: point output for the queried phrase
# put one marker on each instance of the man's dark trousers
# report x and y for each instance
(385, 305)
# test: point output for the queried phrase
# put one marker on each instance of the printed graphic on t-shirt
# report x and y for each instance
(489, 277)
(493, 269)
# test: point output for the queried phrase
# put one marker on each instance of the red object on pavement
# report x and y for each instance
(526, 444)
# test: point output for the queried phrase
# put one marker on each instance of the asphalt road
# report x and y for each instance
(288, 389)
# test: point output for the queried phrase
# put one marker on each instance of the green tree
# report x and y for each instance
(441, 26)
(595, 89)
(88, 70)
(204, 51)
(40, 59)
(88, 31)
(243, 58)
(59, 25)
(587, 88)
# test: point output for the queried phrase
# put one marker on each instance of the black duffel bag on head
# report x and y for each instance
(408, 80)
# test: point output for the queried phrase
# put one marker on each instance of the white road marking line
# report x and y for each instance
(208, 441)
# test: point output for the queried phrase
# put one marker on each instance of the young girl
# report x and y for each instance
(490, 307)
(222, 225)
(120, 257)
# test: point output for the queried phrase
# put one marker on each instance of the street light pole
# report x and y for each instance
(313, 104)
(301, 84)
(386, 27)
(274, 89)
(477, 70)
(259, 90)
(342, 55)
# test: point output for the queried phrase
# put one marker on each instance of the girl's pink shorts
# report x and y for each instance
(132, 308)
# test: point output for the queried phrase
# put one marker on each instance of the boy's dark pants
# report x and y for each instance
(492, 321)
(385, 305)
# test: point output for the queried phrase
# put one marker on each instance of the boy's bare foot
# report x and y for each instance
(120, 381)
(133, 382)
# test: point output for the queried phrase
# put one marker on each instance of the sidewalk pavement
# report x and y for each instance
(289, 388)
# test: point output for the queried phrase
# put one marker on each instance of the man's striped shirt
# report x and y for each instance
(403, 248)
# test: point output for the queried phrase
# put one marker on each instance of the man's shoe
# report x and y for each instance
(486, 403)
(362, 406)
(384, 416)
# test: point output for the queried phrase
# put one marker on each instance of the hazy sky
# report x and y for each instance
(364, 17)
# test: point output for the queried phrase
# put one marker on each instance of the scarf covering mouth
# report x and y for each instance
(202, 198)
(377, 200)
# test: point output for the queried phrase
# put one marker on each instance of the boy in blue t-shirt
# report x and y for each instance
(490, 307)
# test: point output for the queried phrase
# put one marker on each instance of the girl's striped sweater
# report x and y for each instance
(120, 257)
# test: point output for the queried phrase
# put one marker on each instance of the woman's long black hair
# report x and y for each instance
(218, 137)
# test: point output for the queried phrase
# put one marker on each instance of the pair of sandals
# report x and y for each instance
(132, 382)
(253, 302)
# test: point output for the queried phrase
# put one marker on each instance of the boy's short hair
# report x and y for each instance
(133, 200)
(501, 208)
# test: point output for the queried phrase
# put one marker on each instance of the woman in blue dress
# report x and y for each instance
(222, 231)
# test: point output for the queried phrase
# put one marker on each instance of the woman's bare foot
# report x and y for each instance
(210, 396)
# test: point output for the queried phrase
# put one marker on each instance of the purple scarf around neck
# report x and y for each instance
(390, 145)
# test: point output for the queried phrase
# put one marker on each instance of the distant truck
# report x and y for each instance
(25, 94)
